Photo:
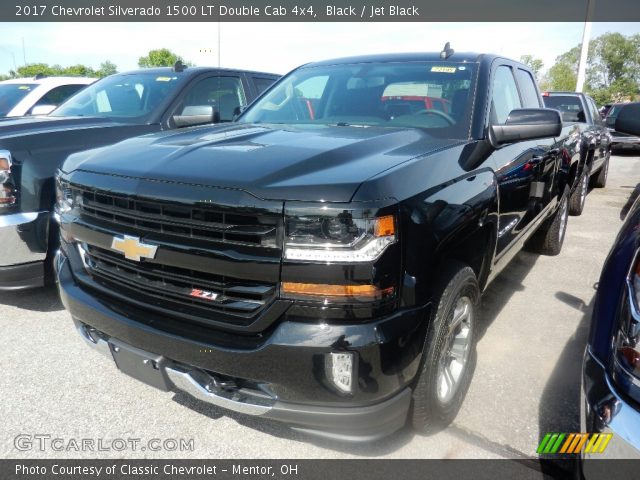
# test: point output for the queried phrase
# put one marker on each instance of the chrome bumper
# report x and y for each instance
(194, 382)
(625, 141)
(23, 237)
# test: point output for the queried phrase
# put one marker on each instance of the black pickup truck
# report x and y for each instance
(321, 261)
(113, 109)
(587, 134)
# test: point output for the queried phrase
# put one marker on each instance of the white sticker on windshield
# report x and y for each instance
(444, 69)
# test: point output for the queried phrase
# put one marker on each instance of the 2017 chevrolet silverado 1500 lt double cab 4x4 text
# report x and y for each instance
(587, 134)
(108, 111)
(319, 266)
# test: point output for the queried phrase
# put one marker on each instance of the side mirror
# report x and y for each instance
(42, 109)
(628, 120)
(238, 111)
(527, 124)
(194, 115)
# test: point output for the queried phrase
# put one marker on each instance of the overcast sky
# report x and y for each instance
(279, 47)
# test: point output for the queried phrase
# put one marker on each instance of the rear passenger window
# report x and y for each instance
(57, 95)
(595, 114)
(262, 83)
(505, 95)
(530, 98)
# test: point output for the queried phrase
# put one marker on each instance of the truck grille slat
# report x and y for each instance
(189, 222)
(244, 237)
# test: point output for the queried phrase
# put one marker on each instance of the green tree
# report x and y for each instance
(162, 57)
(563, 75)
(34, 69)
(78, 70)
(107, 68)
(535, 64)
(612, 72)
(613, 66)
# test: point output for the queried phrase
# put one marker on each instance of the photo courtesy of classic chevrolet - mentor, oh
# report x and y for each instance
(319, 262)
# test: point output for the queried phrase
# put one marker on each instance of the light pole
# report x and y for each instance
(219, 46)
(584, 50)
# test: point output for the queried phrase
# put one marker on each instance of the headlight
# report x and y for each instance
(7, 191)
(627, 341)
(324, 234)
(64, 197)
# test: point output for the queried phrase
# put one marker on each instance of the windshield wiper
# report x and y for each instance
(345, 124)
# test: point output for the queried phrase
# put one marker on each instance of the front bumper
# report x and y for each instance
(283, 378)
(23, 237)
(605, 411)
(624, 141)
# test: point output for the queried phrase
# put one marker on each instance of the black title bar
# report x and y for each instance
(316, 11)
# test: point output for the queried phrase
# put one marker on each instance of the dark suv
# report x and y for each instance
(321, 261)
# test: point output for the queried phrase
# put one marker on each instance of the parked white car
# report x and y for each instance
(37, 95)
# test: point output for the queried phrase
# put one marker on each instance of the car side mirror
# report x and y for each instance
(628, 120)
(238, 111)
(527, 124)
(42, 109)
(194, 115)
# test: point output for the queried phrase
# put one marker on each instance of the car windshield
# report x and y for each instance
(11, 94)
(570, 107)
(129, 96)
(435, 96)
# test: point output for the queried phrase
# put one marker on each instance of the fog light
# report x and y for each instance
(340, 370)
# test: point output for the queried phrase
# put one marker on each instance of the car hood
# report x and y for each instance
(277, 162)
(11, 127)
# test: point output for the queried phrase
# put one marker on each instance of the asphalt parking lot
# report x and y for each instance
(526, 383)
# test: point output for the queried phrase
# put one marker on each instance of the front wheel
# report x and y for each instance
(449, 355)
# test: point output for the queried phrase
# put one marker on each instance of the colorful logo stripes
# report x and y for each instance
(574, 443)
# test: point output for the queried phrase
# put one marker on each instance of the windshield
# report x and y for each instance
(570, 107)
(11, 94)
(430, 95)
(121, 96)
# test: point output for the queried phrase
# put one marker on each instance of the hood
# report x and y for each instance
(276, 162)
(12, 127)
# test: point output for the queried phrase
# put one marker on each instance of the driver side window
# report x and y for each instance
(224, 94)
(504, 97)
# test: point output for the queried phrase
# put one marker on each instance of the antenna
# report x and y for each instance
(178, 66)
(447, 51)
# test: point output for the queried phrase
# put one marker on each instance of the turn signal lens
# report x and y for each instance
(316, 291)
(385, 226)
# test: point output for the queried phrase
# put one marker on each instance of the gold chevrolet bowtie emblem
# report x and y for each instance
(133, 248)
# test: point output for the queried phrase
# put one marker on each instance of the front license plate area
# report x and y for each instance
(144, 366)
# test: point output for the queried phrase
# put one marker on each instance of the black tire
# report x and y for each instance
(579, 195)
(432, 410)
(600, 181)
(548, 240)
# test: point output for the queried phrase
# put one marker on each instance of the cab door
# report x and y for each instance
(525, 170)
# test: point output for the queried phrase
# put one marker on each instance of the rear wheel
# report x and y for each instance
(601, 179)
(549, 240)
(579, 196)
(449, 354)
